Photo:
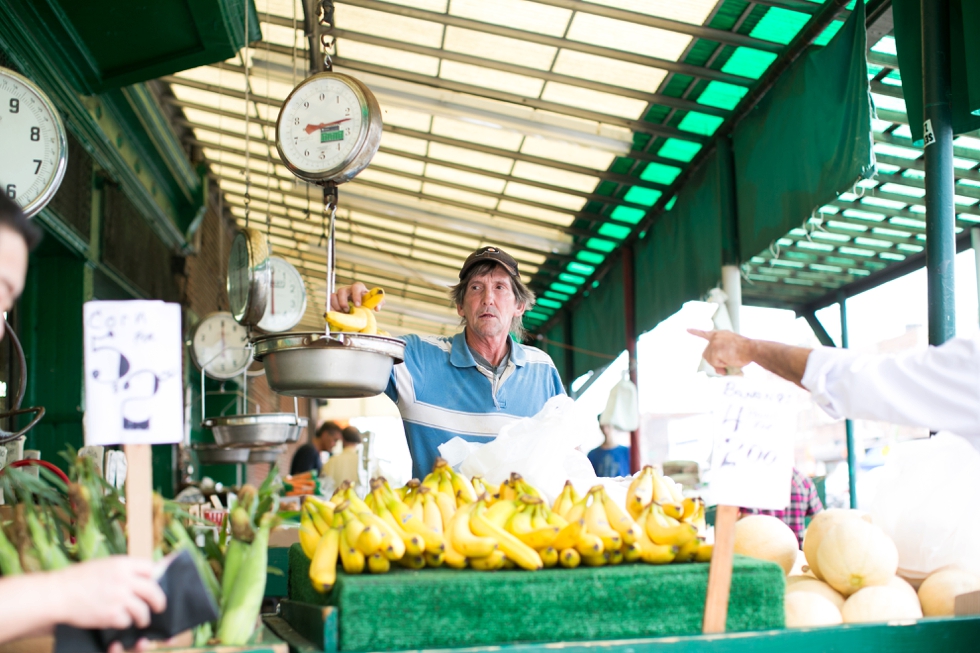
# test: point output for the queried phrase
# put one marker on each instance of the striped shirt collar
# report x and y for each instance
(461, 355)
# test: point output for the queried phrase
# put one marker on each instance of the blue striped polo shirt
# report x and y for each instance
(442, 393)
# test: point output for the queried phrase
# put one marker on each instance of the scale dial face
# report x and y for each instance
(287, 297)
(248, 276)
(329, 128)
(32, 139)
(220, 346)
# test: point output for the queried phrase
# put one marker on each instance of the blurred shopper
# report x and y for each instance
(116, 592)
(309, 456)
(610, 459)
(345, 465)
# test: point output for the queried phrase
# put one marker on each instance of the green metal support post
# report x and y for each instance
(938, 148)
(848, 424)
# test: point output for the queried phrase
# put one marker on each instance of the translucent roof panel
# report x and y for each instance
(630, 37)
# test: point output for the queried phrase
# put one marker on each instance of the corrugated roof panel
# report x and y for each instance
(388, 25)
(555, 177)
(471, 158)
(688, 11)
(474, 199)
(499, 48)
(608, 71)
(576, 96)
(589, 157)
(559, 200)
(628, 37)
(473, 180)
(476, 133)
(518, 14)
(489, 78)
(554, 217)
(389, 57)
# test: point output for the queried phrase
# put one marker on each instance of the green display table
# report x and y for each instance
(440, 608)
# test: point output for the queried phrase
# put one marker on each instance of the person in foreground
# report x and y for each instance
(115, 592)
(476, 382)
(937, 388)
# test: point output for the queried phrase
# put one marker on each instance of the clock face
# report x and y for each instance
(328, 128)
(32, 139)
(287, 298)
(248, 276)
(220, 346)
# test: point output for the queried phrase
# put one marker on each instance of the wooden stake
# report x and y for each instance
(139, 500)
(720, 574)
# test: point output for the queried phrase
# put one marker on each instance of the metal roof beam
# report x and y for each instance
(892, 139)
(555, 42)
(918, 164)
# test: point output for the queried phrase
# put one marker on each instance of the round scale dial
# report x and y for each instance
(248, 276)
(220, 346)
(32, 139)
(287, 297)
(328, 128)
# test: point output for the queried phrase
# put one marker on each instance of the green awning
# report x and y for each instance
(964, 28)
(599, 325)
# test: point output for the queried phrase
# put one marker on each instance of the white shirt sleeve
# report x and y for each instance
(937, 388)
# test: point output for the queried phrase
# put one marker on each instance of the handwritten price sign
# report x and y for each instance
(752, 462)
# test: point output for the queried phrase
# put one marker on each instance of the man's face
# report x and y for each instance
(489, 304)
(13, 268)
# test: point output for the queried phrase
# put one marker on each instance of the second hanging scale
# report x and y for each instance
(328, 130)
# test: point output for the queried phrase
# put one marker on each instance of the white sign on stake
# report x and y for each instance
(133, 389)
(752, 461)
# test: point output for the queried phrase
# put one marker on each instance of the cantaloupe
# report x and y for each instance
(819, 526)
(808, 609)
(815, 586)
(880, 603)
(766, 538)
(855, 554)
(938, 592)
(902, 584)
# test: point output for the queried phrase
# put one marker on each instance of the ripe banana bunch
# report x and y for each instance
(599, 531)
(446, 480)
(358, 319)
(650, 485)
(568, 498)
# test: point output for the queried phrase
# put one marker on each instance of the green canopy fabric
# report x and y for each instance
(808, 140)
(680, 258)
(599, 323)
(964, 45)
(554, 349)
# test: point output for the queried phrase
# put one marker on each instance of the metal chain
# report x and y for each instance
(327, 39)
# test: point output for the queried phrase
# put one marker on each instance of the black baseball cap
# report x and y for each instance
(491, 254)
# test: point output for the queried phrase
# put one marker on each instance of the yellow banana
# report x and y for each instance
(431, 515)
(520, 522)
(640, 492)
(554, 519)
(414, 544)
(539, 538)
(577, 511)
(661, 489)
(378, 564)
(598, 524)
(549, 556)
(431, 481)
(687, 552)
(447, 508)
(308, 539)
(500, 512)
(413, 561)
(538, 519)
(631, 552)
(513, 548)
(676, 490)
(614, 557)
(619, 519)
(594, 560)
(353, 527)
(454, 558)
(673, 510)
(704, 553)
(563, 501)
(434, 559)
(323, 565)
(373, 298)
(666, 530)
(650, 552)
(316, 519)
(350, 322)
(568, 536)
(480, 487)
(589, 545)
(412, 524)
(690, 506)
(370, 323)
(569, 558)
(491, 562)
(370, 540)
(324, 509)
(352, 559)
(392, 545)
(464, 491)
(463, 539)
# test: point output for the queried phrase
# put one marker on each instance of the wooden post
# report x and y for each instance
(720, 573)
(139, 500)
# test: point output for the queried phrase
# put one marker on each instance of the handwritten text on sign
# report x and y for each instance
(752, 462)
(133, 389)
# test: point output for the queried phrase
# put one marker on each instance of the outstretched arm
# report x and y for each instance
(726, 349)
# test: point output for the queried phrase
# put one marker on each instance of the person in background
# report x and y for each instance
(803, 502)
(308, 457)
(610, 459)
(344, 466)
(115, 592)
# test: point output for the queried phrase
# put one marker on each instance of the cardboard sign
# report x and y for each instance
(752, 461)
(133, 389)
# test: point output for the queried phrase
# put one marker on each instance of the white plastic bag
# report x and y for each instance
(928, 502)
(542, 449)
(622, 410)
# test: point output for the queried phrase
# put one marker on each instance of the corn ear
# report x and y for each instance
(9, 559)
(242, 606)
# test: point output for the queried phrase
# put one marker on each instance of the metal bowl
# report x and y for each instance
(212, 454)
(259, 429)
(336, 366)
(265, 455)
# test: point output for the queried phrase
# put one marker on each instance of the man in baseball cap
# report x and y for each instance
(472, 384)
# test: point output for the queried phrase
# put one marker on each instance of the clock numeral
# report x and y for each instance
(37, 168)
(12, 191)
(322, 97)
(14, 105)
(35, 133)
(306, 153)
(295, 121)
(346, 111)
(323, 155)
(306, 105)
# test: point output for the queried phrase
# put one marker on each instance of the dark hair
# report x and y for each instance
(328, 427)
(522, 293)
(12, 217)
(351, 435)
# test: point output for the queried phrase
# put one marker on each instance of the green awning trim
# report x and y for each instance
(598, 323)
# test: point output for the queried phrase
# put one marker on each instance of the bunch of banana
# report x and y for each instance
(479, 535)
(568, 498)
(650, 485)
(420, 530)
(599, 532)
(445, 480)
(358, 319)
